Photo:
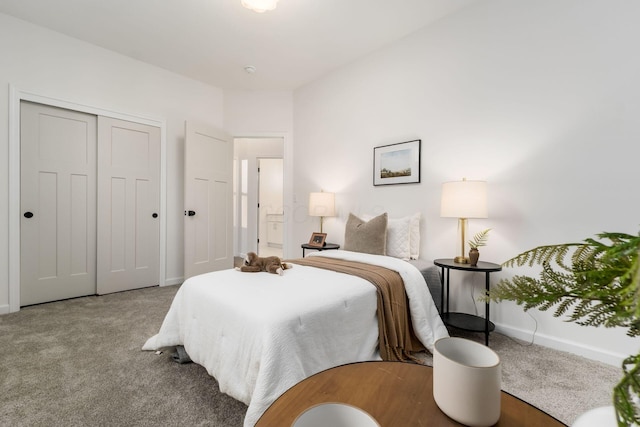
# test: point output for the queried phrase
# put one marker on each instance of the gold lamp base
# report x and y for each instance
(462, 230)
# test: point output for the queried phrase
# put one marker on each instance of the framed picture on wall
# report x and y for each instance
(317, 239)
(397, 163)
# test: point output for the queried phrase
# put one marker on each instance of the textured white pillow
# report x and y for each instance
(399, 238)
(403, 236)
(414, 237)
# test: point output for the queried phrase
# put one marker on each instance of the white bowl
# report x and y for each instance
(467, 381)
(335, 415)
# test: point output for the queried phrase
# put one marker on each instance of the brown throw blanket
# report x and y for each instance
(397, 339)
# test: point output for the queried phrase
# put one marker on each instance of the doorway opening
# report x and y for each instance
(258, 196)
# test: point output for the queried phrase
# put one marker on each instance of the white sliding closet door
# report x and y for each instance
(128, 205)
(58, 204)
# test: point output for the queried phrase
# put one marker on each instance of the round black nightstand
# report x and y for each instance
(326, 247)
(466, 321)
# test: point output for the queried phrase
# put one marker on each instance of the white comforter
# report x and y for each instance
(259, 334)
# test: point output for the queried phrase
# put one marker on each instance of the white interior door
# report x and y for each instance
(208, 206)
(128, 205)
(57, 197)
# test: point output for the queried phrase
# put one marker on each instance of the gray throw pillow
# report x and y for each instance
(369, 237)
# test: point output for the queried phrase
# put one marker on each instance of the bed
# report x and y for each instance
(259, 334)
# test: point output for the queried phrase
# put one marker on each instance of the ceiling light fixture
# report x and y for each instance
(260, 6)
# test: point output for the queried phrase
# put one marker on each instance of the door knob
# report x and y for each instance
(28, 214)
(190, 213)
(155, 215)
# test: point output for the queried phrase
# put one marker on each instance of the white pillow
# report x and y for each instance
(414, 237)
(403, 236)
(399, 238)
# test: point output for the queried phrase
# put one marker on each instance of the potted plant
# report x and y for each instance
(479, 239)
(595, 283)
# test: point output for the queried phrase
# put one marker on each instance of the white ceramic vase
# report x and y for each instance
(466, 381)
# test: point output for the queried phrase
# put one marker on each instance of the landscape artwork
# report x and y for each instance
(397, 163)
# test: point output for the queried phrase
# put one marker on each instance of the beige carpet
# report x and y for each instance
(78, 363)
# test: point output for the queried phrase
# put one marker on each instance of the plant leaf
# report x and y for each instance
(593, 283)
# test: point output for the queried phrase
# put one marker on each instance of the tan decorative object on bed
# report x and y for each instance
(255, 264)
(369, 237)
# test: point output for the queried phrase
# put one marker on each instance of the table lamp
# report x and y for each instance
(322, 204)
(463, 199)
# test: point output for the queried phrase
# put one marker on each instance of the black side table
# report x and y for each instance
(326, 247)
(466, 321)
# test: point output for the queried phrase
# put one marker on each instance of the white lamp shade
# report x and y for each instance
(260, 5)
(322, 204)
(464, 199)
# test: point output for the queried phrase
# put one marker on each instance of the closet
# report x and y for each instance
(89, 198)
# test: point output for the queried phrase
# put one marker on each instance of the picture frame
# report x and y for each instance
(397, 163)
(317, 240)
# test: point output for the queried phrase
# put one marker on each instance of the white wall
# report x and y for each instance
(46, 63)
(247, 113)
(541, 99)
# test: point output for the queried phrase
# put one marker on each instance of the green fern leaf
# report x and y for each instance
(593, 283)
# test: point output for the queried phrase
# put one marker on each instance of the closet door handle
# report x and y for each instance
(155, 215)
(190, 213)
(28, 214)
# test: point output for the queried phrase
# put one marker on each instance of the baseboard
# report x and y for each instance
(610, 358)
(173, 281)
(4, 309)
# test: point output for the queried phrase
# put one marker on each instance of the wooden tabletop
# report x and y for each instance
(394, 393)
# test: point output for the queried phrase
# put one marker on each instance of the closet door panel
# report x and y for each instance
(128, 205)
(80, 211)
(145, 226)
(118, 224)
(57, 198)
